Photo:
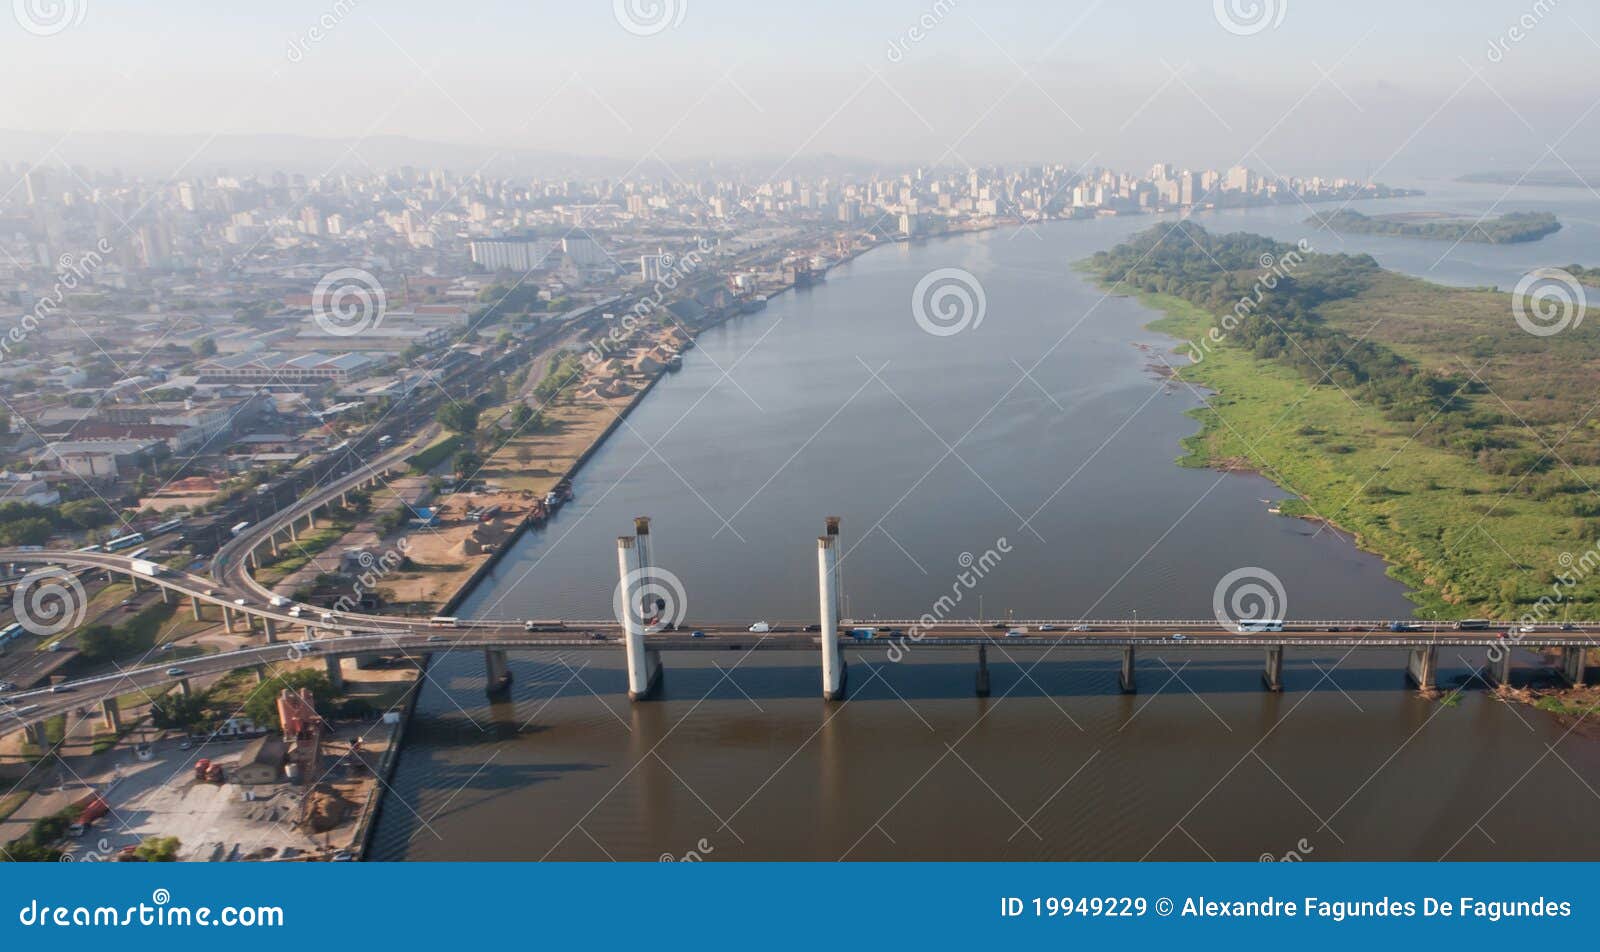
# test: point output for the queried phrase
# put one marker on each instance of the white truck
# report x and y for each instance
(147, 567)
(278, 601)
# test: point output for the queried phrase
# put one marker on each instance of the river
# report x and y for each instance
(1045, 426)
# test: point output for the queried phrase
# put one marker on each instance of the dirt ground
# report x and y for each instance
(448, 553)
(537, 461)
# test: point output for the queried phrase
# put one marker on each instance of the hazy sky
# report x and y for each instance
(1332, 85)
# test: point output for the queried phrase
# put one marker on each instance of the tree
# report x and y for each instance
(87, 513)
(459, 417)
(262, 705)
(204, 347)
(467, 463)
(158, 849)
(178, 711)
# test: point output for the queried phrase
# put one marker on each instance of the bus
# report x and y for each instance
(1472, 624)
(10, 631)
(240, 528)
(442, 621)
(90, 548)
(167, 526)
(124, 541)
(1264, 624)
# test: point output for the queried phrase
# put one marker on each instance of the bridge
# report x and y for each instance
(230, 589)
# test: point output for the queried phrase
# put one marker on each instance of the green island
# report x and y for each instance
(1416, 417)
(1507, 229)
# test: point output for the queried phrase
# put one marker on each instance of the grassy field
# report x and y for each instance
(1477, 518)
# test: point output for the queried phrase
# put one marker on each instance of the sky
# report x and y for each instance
(1291, 86)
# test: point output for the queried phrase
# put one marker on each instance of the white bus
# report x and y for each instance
(1255, 625)
(124, 541)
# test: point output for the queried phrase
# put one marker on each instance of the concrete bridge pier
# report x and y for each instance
(261, 674)
(34, 734)
(644, 664)
(133, 579)
(1498, 670)
(983, 671)
(497, 672)
(166, 595)
(194, 603)
(111, 715)
(1125, 679)
(1573, 665)
(227, 619)
(271, 628)
(1422, 668)
(1272, 674)
(833, 664)
(294, 536)
(272, 543)
(335, 672)
(184, 688)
